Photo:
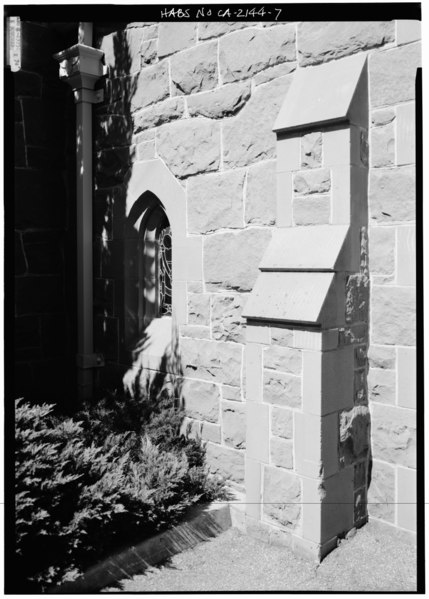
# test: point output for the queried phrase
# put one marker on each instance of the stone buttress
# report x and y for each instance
(307, 445)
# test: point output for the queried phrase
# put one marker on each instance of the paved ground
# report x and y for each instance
(375, 559)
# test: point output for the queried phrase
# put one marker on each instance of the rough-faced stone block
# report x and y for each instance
(211, 432)
(406, 256)
(393, 74)
(219, 103)
(407, 499)
(231, 393)
(392, 194)
(231, 259)
(283, 359)
(380, 356)
(226, 462)
(312, 211)
(383, 116)
(190, 147)
(245, 53)
(354, 439)
(241, 145)
(174, 36)
(393, 433)
(282, 497)
(311, 150)
(234, 424)
(215, 202)
(282, 336)
(406, 134)
(212, 361)
(148, 51)
(209, 29)
(282, 422)
(151, 85)
(195, 331)
(407, 377)
(194, 70)
(393, 315)
(382, 249)
(281, 453)
(357, 298)
(322, 41)
(382, 145)
(382, 385)
(282, 389)
(198, 308)
(381, 492)
(273, 72)
(227, 323)
(312, 181)
(260, 203)
(163, 112)
(257, 431)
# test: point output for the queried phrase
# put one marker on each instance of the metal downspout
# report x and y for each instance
(81, 68)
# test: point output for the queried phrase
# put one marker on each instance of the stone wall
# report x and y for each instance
(44, 221)
(203, 98)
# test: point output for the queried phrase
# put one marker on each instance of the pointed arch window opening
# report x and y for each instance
(155, 268)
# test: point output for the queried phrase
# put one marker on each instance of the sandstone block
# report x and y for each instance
(253, 372)
(201, 400)
(260, 207)
(173, 37)
(393, 75)
(282, 422)
(407, 498)
(245, 53)
(382, 116)
(381, 492)
(283, 359)
(407, 31)
(406, 134)
(393, 432)
(212, 361)
(383, 145)
(146, 150)
(241, 145)
(314, 181)
(311, 150)
(211, 432)
(393, 315)
(282, 389)
(354, 441)
(227, 323)
(406, 256)
(253, 488)
(322, 41)
(357, 298)
(380, 356)
(198, 308)
(382, 248)
(382, 385)
(281, 453)
(150, 32)
(282, 497)
(190, 147)
(195, 70)
(273, 72)
(215, 202)
(392, 194)
(257, 431)
(226, 462)
(219, 103)
(231, 260)
(407, 377)
(282, 336)
(234, 425)
(258, 334)
(311, 211)
(151, 85)
(113, 46)
(195, 331)
(161, 113)
(231, 393)
(148, 51)
(209, 29)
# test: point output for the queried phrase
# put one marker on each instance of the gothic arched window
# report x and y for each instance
(155, 266)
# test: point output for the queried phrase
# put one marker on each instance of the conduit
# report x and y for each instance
(81, 68)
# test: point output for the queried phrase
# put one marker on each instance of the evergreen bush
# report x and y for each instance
(116, 473)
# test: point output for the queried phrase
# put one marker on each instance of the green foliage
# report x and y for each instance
(117, 472)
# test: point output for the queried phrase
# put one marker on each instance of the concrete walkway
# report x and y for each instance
(376, 558)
